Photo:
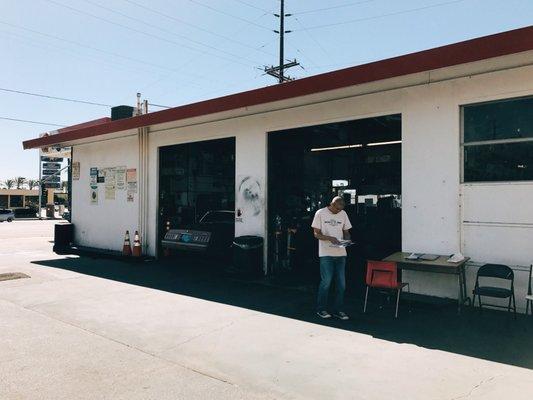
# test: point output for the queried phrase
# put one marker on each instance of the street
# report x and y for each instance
(90, 328)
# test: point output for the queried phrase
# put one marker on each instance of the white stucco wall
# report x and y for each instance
(434, 201)
(103, 225)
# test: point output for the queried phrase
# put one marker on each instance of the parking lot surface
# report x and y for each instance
(92, 328)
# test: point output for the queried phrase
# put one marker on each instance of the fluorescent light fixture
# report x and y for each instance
(350, 146)
(384, 143)
(355, 146)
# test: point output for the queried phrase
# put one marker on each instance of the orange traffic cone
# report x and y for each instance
(126, 249)
(137, 251)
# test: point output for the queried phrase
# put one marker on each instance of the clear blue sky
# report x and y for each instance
(181, 51)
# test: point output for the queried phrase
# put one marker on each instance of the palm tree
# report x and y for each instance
(32, 183)
(9, 183)
(20, 181)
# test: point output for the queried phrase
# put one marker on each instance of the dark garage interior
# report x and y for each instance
(195, 178)
(359, 160)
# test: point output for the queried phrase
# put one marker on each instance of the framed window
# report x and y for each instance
(15, 200)
(498, 141)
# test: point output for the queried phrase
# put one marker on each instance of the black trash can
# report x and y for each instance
(63, 236)
(248, 255)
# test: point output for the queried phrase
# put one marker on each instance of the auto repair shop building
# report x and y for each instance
(433, 152)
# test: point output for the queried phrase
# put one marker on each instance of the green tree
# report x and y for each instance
(32, 183)
(9, 183)
(19, 182)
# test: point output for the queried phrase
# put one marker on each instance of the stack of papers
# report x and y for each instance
(342, 244)
(422, 256)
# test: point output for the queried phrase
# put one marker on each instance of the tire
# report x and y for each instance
(10, 220)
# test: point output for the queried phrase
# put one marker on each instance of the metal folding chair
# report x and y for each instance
(495, 271)
(529, 296)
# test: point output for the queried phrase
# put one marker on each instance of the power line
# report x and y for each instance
(146, 33)
(333, 7)
(386, 15)
(32, 122)
(230, 15)
(158, 105)
(54, 97)
(171, 17)
(104, 51)
(253, 6)
(312, 37)
(47, 46)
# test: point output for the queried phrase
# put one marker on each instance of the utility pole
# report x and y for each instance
(279, 71)
(281, 41)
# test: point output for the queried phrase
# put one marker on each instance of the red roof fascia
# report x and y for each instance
(500, 44)
(94, 122)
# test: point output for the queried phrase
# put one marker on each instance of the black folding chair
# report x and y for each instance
(529, 296)
(495, 271)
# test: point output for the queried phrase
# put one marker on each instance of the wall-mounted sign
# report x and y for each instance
(94, 177)
(50, 165)
(94, 196)
(52, 178)
(51, 159)
(120, 177)
(76, 170)
(131, 180)
(110, 177)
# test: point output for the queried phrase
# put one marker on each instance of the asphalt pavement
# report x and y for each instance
(91, 328)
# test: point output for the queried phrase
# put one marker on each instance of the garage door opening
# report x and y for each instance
(196, 179)
(359, 160)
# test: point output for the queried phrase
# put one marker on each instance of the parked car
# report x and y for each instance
(66, 215)
(7, 215)
(212, 235)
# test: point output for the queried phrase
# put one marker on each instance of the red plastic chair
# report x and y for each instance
(383, 275)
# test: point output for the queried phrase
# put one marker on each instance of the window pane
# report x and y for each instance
(509, 119)
(15, 201)
(499, 162)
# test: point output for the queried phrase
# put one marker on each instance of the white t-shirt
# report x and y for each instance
(331, 225)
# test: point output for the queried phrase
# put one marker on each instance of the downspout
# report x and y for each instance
(142, 181)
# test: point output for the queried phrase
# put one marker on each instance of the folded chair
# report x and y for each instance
(495, 271)
(383, 275)
(529, 297)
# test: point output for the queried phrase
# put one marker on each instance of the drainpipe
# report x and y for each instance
(142, 182)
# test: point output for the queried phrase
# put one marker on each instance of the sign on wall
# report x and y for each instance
(94, 195)
(76, 171)
(120, 177)
(51, 165)
(110, 178)
(131, 179)
(93, 187)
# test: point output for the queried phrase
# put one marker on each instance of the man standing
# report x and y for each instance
(330, 226)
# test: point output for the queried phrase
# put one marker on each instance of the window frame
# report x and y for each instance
(463, 145)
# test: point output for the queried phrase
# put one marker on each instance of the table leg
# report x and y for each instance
(460, 296)
(466, 298)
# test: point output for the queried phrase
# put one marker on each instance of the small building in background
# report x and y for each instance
(19, 198)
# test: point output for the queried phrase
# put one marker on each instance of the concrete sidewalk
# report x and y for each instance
(67, 335)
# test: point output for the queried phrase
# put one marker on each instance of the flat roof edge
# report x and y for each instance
(478, 49)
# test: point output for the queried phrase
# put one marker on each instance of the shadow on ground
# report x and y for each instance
(492, 335)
